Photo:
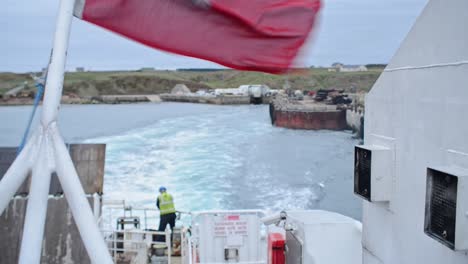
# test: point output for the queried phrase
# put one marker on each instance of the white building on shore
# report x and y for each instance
(246, 90)
(339, 67)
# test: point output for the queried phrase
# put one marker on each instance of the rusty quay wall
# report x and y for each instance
(332, 120)
(306, 115)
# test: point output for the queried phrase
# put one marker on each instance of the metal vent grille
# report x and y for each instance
(362, 172)
(441, 207)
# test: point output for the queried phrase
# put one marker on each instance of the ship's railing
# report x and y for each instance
(135, 244)
(244, 211)
(119, 233)
(111, 209)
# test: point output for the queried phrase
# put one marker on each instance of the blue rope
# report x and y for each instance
(37, 99)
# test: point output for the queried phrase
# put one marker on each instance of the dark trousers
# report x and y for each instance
(163, 221)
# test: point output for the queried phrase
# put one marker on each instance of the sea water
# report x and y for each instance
(208, 157)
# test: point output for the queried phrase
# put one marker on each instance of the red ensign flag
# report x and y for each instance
(258, 35)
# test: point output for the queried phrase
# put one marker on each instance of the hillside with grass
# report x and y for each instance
(86, 84)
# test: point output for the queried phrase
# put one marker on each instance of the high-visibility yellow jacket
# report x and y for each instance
(166, 204)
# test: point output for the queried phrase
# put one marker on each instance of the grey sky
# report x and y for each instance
(350, 31)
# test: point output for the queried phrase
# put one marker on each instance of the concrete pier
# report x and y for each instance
(204, 99)
(118, 99)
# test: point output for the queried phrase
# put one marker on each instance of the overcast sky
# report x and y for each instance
(350, 31)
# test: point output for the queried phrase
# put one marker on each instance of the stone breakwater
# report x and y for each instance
(306, 114)
(204, 99)
(100, 99)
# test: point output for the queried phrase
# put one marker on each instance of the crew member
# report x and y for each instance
(167, 212)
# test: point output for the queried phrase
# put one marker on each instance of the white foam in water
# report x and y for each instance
(231, 158)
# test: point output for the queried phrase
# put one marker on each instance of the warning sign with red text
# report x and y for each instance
(230, 225)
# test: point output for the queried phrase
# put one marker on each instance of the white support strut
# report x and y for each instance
(34, 224)
(46, 152)
(78, 203)
(17, 173)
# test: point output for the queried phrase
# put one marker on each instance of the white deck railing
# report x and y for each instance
(139, 241)
(134, 241)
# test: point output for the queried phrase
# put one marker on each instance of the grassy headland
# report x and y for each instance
(86, 84)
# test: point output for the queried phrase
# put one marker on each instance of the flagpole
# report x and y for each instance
(56, 70)
(52, 155)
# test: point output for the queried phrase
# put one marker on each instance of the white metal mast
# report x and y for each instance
(46, 153)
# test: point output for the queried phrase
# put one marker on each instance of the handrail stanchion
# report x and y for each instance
(190, 258)
(182, 243)
(169, 244)
(114, 246)
(146, 219)
(96, 207)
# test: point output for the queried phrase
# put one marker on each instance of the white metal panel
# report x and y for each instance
(217, 231)
(377, 226)
(382, 167)
(425, 110)
(369, 258)
(437, 37)
(461, 236)
(327, 237)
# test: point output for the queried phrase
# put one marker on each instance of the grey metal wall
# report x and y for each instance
(62, 242)
(89, 162)
(7, 156)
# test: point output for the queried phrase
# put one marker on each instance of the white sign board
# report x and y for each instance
(230, 225)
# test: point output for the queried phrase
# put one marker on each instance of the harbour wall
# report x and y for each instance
(310, 120)
(100, 99)
(355, 121)
(306, 114)
(62, 242)
(200, 99)
(218, 100)
(117, 99)
(311, 115)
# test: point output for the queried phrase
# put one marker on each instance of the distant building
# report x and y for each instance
(147, 69)
(352, 68)
(229, 91)
(180, 89)
(246, 90)
(339, 67)
(80, 69)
